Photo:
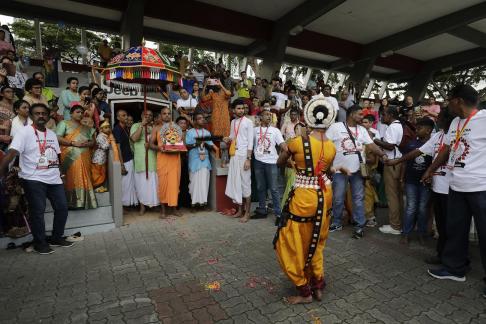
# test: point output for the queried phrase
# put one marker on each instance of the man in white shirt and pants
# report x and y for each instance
(238, 185)
(266, 171)
(39, 152)
(391, 174)
(350, 139)
(464, 153)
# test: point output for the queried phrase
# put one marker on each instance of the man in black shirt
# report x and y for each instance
(122, 137)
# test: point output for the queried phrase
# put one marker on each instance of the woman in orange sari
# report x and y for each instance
(220, 117)
(76, 142)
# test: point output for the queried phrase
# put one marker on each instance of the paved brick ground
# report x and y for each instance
(161, 272)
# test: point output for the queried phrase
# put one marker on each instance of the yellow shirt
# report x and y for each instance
(48, 93)
(304, 202)
(244, 89)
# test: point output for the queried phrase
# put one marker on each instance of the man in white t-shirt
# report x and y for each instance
(465, 156)
(38, 149)
(238, 183)
(440, 180)
(186, 104)
(392, 174)
(326, 91)
(350, 139)
(266, 139)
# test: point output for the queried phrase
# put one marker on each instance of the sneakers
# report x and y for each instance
(60, 243)
(334, 228)
(387, 229)
(358, 233)
(371, 222)
(444, 274)
(43, 249)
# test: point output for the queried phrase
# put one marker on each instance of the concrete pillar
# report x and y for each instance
(369, 88)
(418, 85)
(243, 64)
(38, 39)
(326, 76)
(307, 77)
(115, 188)
(273, 56)
(189, 56)
(384, 84)
(85, 44)
(361, 73)
(132, 24)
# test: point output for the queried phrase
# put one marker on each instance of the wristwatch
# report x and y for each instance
(248, 158)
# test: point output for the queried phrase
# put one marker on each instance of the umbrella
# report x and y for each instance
(142, 69)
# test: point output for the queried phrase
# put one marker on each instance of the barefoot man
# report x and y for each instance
(238, 185)
(304, 223)
(168, 167)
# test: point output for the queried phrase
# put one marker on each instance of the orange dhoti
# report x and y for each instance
(169, 174)
(98, 173)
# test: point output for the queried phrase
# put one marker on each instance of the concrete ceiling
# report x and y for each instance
(195, 31)
(441, 45)
(366, 21)
(384, 70)
(348, 32)
(479, 25)
(77, 7)
(310, 55)
(267, 9)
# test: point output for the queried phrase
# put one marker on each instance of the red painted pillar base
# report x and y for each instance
(222, 201)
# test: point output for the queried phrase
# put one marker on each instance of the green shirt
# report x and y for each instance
(48, 93)
(139, 151)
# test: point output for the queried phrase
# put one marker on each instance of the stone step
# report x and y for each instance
(85, 221)
(103, 200)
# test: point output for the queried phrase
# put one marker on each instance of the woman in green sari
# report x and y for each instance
(76, 142)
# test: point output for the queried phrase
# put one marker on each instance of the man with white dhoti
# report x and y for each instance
(238, 185)
(122, 137)
(145, 162)
(198, 140)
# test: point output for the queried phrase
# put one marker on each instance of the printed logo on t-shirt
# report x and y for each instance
(51, 156)
(263, 144)
(348, 146)
(460, 153)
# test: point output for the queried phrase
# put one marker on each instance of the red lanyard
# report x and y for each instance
(441, 144)
(197, 133)
(460, 132)
(42, 147)
(264, 136)
(237, 129)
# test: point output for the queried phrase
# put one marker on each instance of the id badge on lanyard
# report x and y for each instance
(42, 163)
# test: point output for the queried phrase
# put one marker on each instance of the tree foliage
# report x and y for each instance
(443, 84)
(58, 38)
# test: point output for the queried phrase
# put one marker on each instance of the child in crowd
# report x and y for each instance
(417, 193)
(371, 197)
(104, 142)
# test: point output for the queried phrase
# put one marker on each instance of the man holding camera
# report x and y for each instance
(243, 87)
(350, 139)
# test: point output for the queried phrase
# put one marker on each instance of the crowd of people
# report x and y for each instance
(324, 160)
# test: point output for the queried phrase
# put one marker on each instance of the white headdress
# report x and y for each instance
(319, 112)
